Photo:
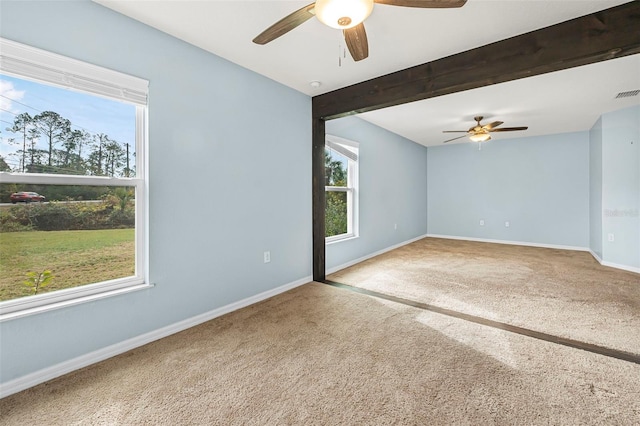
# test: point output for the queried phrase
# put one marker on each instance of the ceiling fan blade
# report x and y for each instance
(459, 137)
(455, 131)
(424, 3)
(356, 39)
(509, 129)
(492, 125)
(286, 24)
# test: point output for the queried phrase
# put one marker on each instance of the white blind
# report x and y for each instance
(21, 60)
(342, 146)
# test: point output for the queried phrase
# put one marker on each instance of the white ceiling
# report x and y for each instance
(399, 37)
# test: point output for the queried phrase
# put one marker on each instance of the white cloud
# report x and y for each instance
(8, 91)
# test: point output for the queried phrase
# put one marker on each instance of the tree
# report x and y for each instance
(72, 160)
(69, 145)
(67, 151)
(4, 167)
(336, 221)
(54, 128)
(96, 157)
(82, 138)
(35, 154)
(335, 171)
(22, 124)
(114, 157)
(38, 280)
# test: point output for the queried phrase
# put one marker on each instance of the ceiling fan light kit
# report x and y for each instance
(480, 137)
(343, 14)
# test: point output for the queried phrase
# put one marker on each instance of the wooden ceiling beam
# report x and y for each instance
(600, 36)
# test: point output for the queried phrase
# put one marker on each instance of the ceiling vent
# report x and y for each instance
(627, 94)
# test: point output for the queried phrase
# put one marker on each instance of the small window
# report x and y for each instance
(72, 180)
(341, 187)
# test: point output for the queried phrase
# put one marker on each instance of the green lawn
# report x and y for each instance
(74, 257)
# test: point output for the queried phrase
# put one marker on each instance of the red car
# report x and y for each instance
(26, 197)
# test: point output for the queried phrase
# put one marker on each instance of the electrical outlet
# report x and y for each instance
(267, 256)
(611, 238)
(481, 222)
(507, 224)
(395, 226)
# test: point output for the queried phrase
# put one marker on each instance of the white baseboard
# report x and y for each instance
(484, 240)
(595, 256)
(41, 376)
(515, 243)
(623, 267)
(553, 246)
(369, 256)
(614, 265)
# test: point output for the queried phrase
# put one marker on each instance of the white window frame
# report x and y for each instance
(349, 149)
(26, 62)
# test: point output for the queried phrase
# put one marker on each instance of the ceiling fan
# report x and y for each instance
(345, 15)
(480, 133)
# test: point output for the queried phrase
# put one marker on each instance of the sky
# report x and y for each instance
(86, 112)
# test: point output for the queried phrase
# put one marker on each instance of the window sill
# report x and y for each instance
(72, 302)
(341, 238)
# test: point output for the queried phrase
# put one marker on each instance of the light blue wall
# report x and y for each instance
(239, 140)
(539, 184)
(595, 188)
(621, 186)
(393, 184)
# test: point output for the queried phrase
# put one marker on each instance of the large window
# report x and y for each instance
(341, 174)
(72, 180)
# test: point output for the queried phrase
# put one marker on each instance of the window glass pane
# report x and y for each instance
(81, 234)
(335, 213)
(46, 129)
(335, 168)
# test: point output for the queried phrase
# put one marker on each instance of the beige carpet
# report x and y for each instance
(560, 292)
(328, 356)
